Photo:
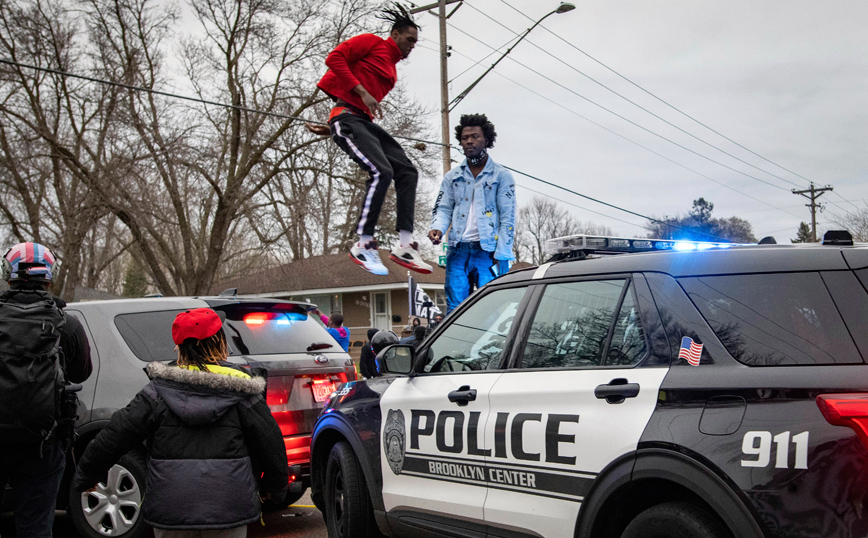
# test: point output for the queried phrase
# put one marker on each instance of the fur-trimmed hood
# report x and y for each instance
(198, 397)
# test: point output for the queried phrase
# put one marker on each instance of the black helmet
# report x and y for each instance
(382, 340)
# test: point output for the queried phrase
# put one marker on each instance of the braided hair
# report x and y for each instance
(199, 353)
(398, 16)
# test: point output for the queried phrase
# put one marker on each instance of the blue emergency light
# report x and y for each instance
(619, 245)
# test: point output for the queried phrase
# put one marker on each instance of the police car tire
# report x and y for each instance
(675, 520)
(348, 509)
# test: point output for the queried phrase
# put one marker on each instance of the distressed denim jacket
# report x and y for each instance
(493, 200)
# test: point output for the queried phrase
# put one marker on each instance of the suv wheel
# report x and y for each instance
(348, 511)
(675, 520)
(114, 507)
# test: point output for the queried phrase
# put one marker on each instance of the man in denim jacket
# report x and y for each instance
(477, 200)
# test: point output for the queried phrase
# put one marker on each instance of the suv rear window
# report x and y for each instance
(272, 328)
(774, 319)
(250, 329)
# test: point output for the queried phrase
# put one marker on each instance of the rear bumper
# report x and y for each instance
(297, 449)
(298, 458)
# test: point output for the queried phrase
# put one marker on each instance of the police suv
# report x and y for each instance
(681, 390)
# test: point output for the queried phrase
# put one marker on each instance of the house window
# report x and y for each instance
(440, 300)
(326, 303)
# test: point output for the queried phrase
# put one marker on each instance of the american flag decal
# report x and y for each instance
(690, 350)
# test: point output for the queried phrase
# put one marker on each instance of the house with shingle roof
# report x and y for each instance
(336, 284)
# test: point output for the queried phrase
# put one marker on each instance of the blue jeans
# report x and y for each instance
(35, 481)
(468, 267)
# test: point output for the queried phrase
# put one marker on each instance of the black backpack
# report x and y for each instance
(31, 374)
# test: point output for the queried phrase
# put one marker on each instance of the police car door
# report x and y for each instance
(440, 417)
(575, 400)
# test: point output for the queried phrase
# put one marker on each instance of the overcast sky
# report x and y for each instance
(786, 79)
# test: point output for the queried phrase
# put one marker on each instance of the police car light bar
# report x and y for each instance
(597, 243)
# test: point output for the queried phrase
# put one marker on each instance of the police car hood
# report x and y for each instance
(198, 397)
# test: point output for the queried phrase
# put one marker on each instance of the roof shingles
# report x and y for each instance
(325, 272)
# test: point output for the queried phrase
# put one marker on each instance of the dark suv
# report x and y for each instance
(278, 339)
(681, 390)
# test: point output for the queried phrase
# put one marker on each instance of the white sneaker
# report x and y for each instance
(409, 257)
(369, 258)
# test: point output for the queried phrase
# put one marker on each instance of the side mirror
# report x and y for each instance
(396, 359)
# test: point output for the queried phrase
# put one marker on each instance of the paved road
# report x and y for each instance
(297, 521)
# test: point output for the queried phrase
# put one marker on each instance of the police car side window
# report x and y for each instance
(476, 339)
(628, 341)
(572, 324)
(774, 319)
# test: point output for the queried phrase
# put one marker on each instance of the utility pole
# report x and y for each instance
(444, 76)
(812, 194)
(444, 90)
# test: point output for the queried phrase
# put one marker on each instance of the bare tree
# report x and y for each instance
(855, 222)
(191, 192)
(53, 152)
(543, 219)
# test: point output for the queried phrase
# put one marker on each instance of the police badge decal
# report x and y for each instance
(393, 440)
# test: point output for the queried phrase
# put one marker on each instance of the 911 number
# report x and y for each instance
(759, 444)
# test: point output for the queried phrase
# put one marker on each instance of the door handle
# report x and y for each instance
(617, 391)
(463, 395)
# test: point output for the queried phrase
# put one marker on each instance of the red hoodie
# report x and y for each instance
(365, 59)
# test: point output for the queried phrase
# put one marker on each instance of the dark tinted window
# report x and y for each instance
(272, 328)
(572, 324)
(149, 334)
(628, 340)
(250, 329)
(774, 319)
(476, 339)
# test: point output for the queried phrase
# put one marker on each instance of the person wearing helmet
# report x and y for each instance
(212, 441)
(55, 350)
(382, 340)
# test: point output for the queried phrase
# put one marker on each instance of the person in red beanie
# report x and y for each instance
(361, 73)
(209, 430)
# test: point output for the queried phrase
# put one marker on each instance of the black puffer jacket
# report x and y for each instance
(209, 436)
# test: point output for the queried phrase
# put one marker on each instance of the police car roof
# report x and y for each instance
(735, 260)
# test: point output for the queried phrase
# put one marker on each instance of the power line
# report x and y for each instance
(611, 205)
(649, 131)
(673, 107)
(297, 118)
(637, 105)
(578, 206)
(184, 97)
(722, 184)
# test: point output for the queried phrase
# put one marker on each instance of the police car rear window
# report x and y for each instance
(774, 319)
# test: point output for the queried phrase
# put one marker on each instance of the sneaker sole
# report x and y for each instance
(409, 265)
(363, 266)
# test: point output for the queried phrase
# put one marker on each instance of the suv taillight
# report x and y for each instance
(849, 410)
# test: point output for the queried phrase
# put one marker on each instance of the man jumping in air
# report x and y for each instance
(361, 73)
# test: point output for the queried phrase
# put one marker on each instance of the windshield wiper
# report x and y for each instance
(316, 346)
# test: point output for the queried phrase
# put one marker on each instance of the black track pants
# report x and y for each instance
(383, 159)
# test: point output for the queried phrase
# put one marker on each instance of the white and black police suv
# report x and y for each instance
(681, 390)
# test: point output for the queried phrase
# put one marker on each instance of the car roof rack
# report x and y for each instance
(582, 245)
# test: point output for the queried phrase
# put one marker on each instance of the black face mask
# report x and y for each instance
(473, 161)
